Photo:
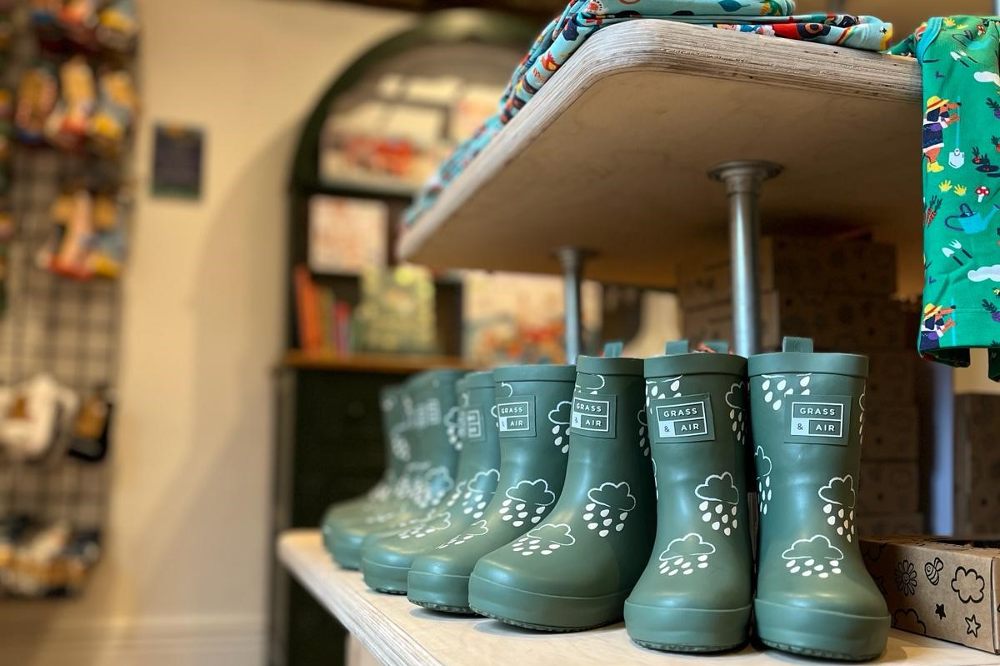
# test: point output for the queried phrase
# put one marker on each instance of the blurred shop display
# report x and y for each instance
(512, 318)
(391, 128)
(68, 106)
(395, 314)
(355, 317)
(347, 236)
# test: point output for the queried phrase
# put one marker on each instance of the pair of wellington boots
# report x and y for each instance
(429, 434)
(386, 557)
(523, 410)
(574, 565)
(813, 595)
(532, 411)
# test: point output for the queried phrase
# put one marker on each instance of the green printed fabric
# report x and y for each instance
(960, 61)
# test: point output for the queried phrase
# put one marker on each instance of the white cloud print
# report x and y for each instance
(719, 488)
(527, 502)
(985, 273)
(561, 414)
(839, 491)
(689, 545)
(813, 557)
(560, 418)
(686, 555)
(544, 540)
(484, 481)
(615, 495)
(532, 492)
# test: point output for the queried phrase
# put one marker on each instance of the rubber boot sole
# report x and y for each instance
(346, 554)
(817, 633)
(445, 593)
(384, 578)
(687, 629)
(543, 612)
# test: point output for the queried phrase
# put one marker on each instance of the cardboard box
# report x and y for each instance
(977, 463)
(879, 525)
(890, 432)
(715, 322)
(942, 589)
(793, 263)
(889, 487)
(835, 322)
(892, 377)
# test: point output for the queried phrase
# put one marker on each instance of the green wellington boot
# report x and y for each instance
(427, 479)
(533, 405)
(814, 595)
(575, 570)
(695, 594)
(385, 493)
(386, 560)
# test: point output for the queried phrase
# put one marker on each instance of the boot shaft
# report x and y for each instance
(533, 407)
(478, 438)
(808, 411)
(697, 407)
(397, 449)
(433, 433)
(609, 468)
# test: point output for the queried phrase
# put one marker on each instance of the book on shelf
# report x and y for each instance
(324, 323)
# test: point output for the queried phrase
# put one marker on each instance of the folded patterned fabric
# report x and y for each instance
(582, 18)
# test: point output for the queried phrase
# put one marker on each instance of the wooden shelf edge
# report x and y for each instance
(377, 363)
(400, 634)
(675, 48)
(388, 642)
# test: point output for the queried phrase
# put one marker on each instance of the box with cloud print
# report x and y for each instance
(943, 589)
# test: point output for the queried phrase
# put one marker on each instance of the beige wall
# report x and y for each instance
(184, 579)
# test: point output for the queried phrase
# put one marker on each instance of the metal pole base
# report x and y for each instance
(743, 180)
(572, 260)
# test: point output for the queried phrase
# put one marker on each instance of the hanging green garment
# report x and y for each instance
(960, 63)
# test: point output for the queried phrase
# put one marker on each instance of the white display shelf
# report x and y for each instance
(612, 155)
(398, 633)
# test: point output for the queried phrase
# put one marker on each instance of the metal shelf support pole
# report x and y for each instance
(572, 260)
(743, 182)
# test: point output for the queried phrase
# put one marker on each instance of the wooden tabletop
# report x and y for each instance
(612, 154)
(400, 634)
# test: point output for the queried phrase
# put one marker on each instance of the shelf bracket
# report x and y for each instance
(572, 260)
(743, 181)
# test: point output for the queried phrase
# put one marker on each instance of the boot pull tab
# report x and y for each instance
(716, 346)
(802, 345)
(614, 349)
(677, 347)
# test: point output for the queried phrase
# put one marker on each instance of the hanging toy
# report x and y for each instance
(118, 26)
(91, 428)
(78, 19)
(71, 259)
(110, 125)
(67, 127)
(108, 248)
(35, 415)
(36, 97)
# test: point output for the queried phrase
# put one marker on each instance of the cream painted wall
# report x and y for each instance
(184, 577)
